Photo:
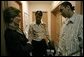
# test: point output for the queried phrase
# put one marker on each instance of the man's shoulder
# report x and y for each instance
(78, 18)
(79, 15)
(31, 24)
(44, 24)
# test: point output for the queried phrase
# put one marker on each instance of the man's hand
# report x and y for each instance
(60, 54)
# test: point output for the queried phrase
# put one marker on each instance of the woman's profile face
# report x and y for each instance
(17, 19)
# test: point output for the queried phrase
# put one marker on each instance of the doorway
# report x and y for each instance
(56, 22)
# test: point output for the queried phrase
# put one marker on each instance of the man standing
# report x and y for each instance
(37, 34)
(71, 38)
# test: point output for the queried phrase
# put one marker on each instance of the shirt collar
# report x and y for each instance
(40, 23)
(70, 20)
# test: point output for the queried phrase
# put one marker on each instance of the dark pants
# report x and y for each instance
(39, 48)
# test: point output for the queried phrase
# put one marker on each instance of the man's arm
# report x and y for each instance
(80, 36)
(30, 33)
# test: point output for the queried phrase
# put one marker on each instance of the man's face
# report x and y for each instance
(38, 18)
(64, 11)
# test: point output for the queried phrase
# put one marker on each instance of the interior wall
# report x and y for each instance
(55, 4)
(53, 27)
(56, 23)
(79, 7)
(26, 20)
(12, 3)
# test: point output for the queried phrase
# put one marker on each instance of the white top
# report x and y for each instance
(70, 34)
(38, 32)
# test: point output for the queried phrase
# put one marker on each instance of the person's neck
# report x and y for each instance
(38, 24)
(70, 14)
(13, 26)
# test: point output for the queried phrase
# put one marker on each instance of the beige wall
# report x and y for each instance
(79, 7)
(26, 20)
(12, 3)
(44, 6)
(55, 4)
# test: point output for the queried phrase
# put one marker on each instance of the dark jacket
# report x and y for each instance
(16, 43)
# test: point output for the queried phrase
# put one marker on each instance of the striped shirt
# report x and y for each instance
(71, 36)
